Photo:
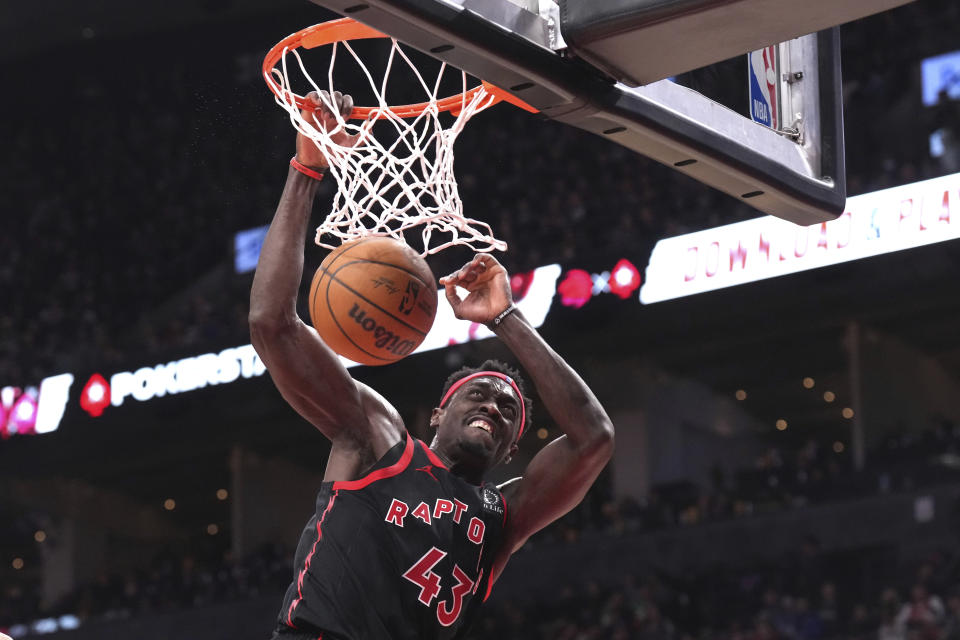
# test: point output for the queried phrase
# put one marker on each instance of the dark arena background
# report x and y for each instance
(788, 449)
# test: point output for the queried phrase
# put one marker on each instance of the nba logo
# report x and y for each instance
(763, 69)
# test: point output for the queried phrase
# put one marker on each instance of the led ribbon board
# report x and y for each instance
(875, 223)
(33, 411)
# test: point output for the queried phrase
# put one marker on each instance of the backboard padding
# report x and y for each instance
(642, 41)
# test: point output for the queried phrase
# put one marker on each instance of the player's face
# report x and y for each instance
(480, 423)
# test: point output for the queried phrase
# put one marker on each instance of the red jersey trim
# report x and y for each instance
(503, 499)
(396, 468)
(434, 458)
(306, 563)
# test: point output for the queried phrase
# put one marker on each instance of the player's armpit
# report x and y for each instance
(555, 481)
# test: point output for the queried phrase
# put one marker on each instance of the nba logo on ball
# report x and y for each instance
(373, 300)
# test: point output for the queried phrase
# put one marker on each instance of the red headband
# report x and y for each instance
(493, 374)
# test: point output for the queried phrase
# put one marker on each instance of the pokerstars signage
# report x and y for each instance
(533, 291)
(876, 223)
(187, 374)
(35, 410)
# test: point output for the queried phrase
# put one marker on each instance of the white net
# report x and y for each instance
(404, 180)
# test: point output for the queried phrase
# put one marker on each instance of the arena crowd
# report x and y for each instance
(127, 200)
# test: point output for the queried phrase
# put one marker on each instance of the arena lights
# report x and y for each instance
(829, 396)
(808, 383)
(45, 625)
(95, 396)
(246, 248)
(740, 395)
(781, 425)
(34, 410)
(886, 221)
(578, 286)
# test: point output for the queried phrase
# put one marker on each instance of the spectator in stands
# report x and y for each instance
(809, 625)
(861, 625)
(828, 610)
(921, 615)
(951, 620)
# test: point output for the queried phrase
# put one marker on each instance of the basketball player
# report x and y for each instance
(407, 540)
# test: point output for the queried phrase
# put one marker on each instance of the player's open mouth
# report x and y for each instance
(480, 423)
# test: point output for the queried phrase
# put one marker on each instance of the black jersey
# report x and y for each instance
(402, 553)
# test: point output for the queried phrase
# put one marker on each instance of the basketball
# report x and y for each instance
(373, 300)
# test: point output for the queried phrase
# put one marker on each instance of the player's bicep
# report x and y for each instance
(555, 481)
(312, 379)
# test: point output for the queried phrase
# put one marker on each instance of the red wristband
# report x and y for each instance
(304, 169)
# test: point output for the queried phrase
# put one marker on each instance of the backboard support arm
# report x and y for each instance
(661, 120)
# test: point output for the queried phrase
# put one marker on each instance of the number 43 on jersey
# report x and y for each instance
(422, 575)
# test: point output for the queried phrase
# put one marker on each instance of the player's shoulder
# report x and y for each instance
(376, 407)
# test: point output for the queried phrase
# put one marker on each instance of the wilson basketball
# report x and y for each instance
(373, 300)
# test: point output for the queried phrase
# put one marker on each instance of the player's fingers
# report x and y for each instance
(310, 103)
(478, 262)
(328, 119)
(451, 280)
(450, 291)
(325, 103)
(346, 106)
(468, 274)
(328, 115)
(489, 261)
(452, 277)
(337, 99)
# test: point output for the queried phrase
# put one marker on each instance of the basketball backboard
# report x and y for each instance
(575, 62)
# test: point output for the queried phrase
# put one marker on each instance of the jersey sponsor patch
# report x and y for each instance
(492, 501)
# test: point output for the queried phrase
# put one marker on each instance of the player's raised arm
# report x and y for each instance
(306, 371)
(559, 475)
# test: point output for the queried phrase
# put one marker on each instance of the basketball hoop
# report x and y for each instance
(388, 188)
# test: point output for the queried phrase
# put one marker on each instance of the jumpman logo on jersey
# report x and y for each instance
(428, 469)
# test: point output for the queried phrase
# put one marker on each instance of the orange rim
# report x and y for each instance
(345, 29)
